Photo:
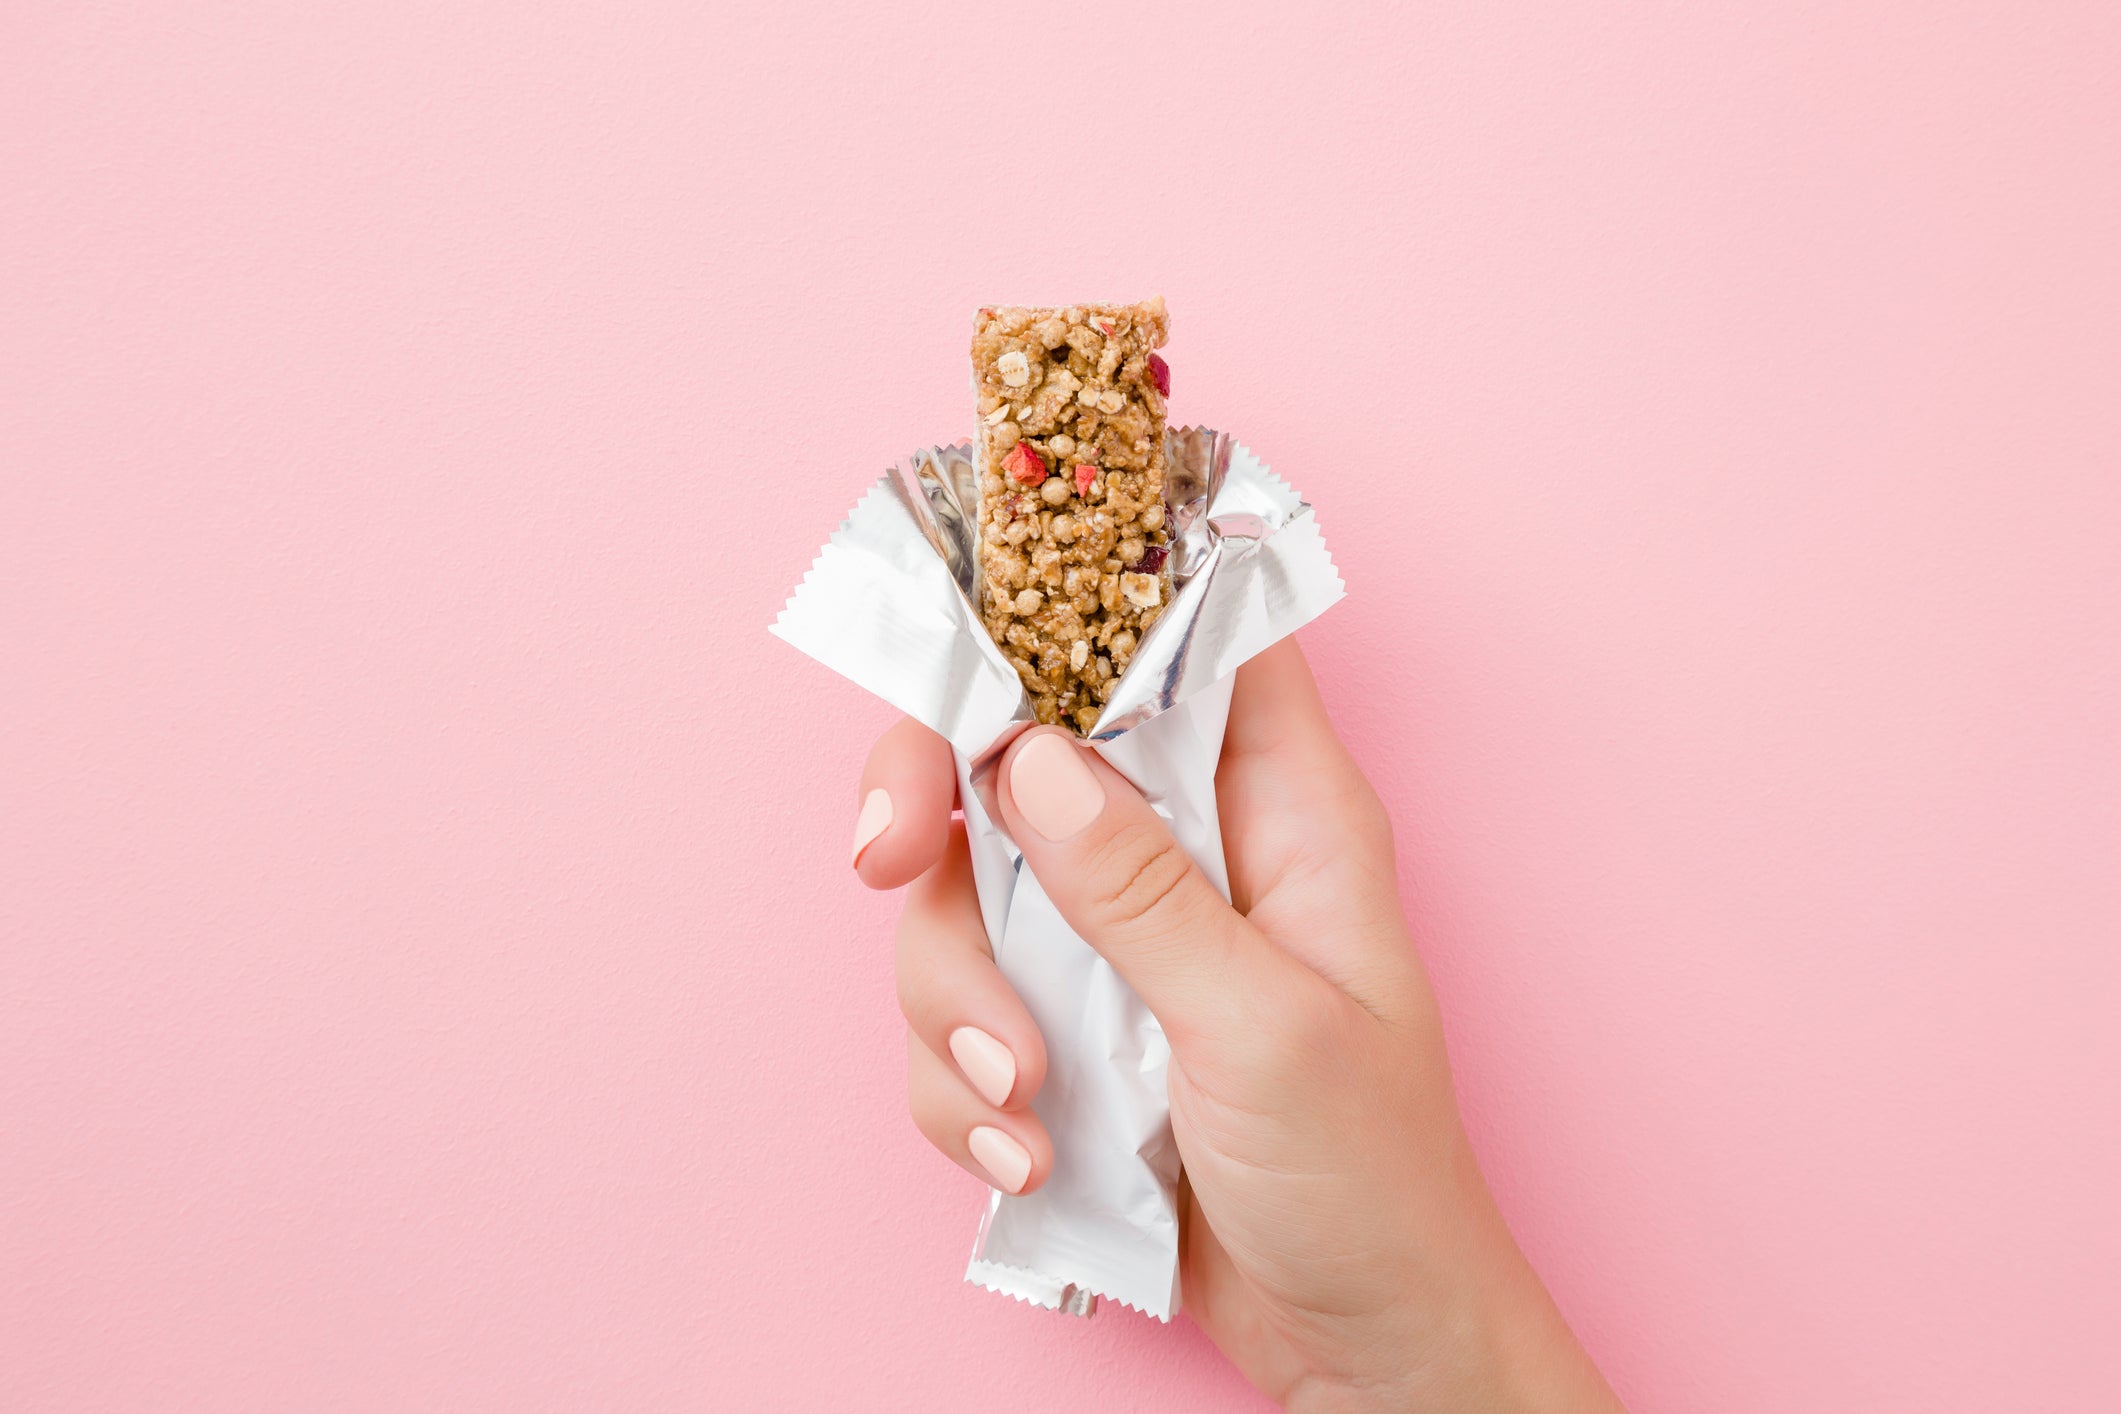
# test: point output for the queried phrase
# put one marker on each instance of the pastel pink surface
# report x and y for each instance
(430, 977)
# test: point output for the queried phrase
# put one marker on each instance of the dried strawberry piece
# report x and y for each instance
(1025, 466)
(1106, 325)
(1151, 561)
(1013, 507)
(1161, 373)
(1084, 475)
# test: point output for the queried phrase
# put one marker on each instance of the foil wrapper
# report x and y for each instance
(892, 603)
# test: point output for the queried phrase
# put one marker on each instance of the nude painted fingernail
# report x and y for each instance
(1007, 1162)
(873, 821)
(986, 1063)
(1053, 788)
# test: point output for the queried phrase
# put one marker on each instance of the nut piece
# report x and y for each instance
(1079, 654)
(1143, 591)
(1024, 465)
(1027, 603)
(1014, 368)
(1087, 396)
(1111, 400)
(998, 416)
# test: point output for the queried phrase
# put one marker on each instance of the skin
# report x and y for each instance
(1338, 1242)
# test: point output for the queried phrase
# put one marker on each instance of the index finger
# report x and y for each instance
(1290, 784)
(902, 819)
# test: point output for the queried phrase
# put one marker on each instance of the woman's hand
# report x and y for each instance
(1338, 1242)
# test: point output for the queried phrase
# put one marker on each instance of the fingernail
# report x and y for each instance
(1053, 788)
(1007, 1162)
(985, 1061)
(873, 821)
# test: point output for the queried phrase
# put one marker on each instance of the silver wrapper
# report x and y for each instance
(892, 603)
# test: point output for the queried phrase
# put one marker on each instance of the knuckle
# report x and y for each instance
(909, 973)
(927, 1122)
(1356, 802)
(920, 964)
(925, 1107)
(1137, 874)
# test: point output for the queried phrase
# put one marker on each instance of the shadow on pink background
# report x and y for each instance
(429, 974)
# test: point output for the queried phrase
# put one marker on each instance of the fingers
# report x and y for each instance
(1280, 733)
(1276, 705)
(1115, 873)
(956, 1002)
(974, 1057)
(904, 802)
(1306, 840)
(1008, 1150)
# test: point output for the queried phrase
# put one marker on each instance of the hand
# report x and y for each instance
(1337, 1240)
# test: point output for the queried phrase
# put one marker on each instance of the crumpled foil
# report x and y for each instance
(892, 603)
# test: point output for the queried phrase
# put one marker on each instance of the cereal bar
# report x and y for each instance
(1073, 541)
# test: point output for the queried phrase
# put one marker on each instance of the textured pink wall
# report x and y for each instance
(431, 979)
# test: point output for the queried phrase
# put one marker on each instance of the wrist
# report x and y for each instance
(1506, 1348)
(1539, 1365)
(1533, 1361)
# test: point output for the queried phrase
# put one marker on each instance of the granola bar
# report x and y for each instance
(1073, 539)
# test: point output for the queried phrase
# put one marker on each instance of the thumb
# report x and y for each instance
(1113, 870)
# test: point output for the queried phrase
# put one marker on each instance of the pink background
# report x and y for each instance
(431, 977)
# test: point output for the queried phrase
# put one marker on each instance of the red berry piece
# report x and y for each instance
(1024, 465)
